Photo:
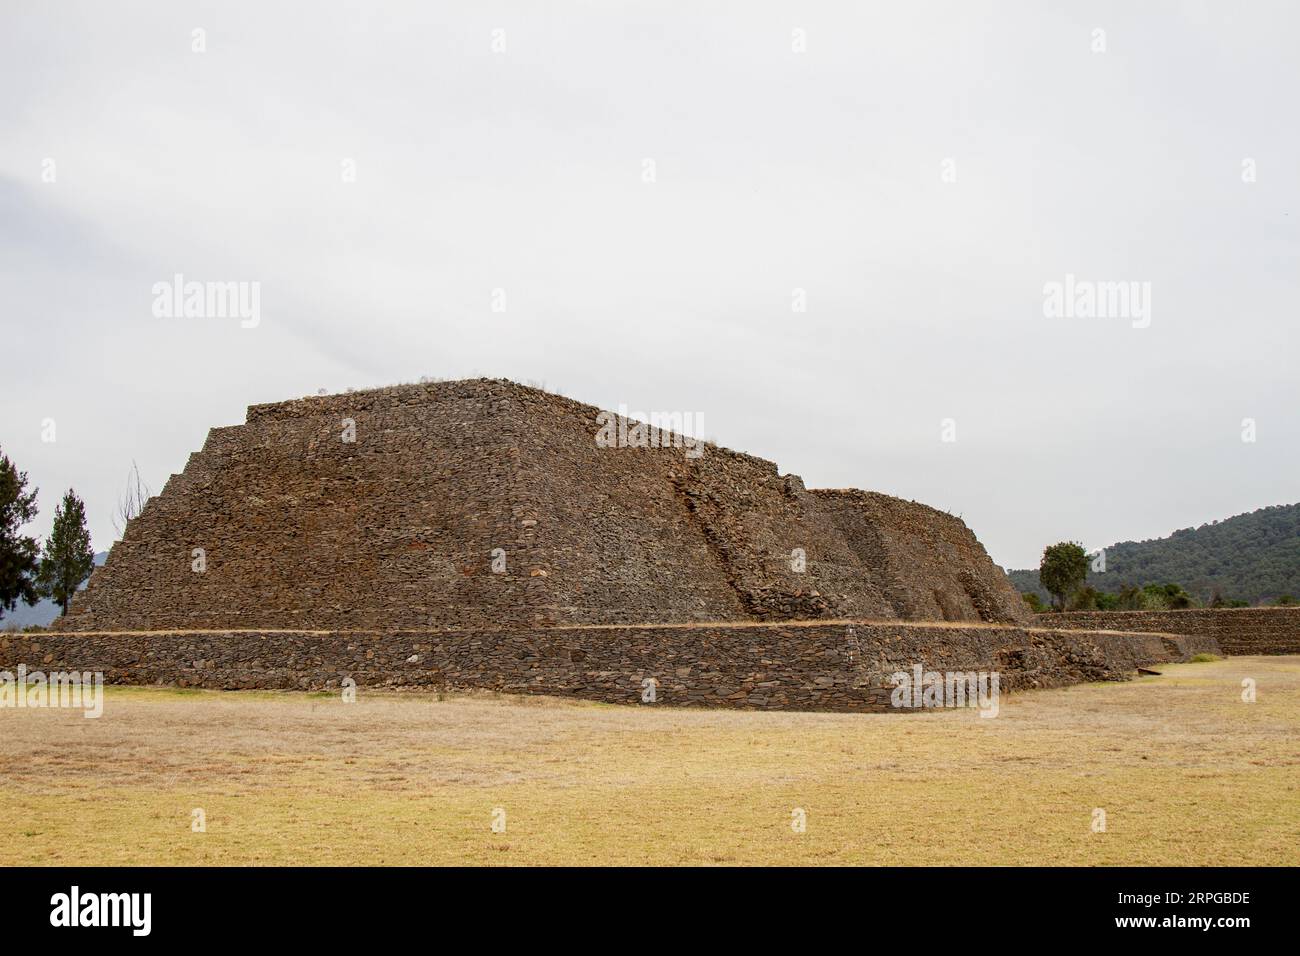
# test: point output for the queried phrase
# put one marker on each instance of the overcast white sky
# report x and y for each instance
(776, 170)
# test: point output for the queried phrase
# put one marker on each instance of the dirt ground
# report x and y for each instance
(1184, 770)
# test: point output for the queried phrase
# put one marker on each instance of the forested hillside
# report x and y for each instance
(1252, 557)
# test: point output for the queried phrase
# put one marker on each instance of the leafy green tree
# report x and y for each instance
(68, 558)
(18, 552)
(1130, 598)
(1063, 569)
(1162, 597)
(1107, 602)
(1085, 599)
(1089, 598)
(1220, 601)
(1034, 601)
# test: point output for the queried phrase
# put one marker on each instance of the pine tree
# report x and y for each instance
(68, 558)
(18, 552)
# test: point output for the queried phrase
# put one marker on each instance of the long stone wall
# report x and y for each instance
(832, 666)
(1241, 630)
(485, 504)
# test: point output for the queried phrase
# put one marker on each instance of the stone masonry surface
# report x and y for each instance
(476, 535)
(299, 528)
(832, 666)
(1237, 630)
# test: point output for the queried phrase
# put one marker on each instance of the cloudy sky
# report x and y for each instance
(825, 227)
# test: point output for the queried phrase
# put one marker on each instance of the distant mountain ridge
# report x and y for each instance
(42, 613)
(1251, 557)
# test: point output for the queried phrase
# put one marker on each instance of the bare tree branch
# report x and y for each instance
(132, 501)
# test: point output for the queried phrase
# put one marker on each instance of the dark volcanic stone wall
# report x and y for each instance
(823, 666)
(637, 535)
(613, 538)
(302, 529)
(1237, 630)
(398, 529)
(754, 520)
(930, 565)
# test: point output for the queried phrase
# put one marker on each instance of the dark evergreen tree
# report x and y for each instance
(18, 552)
(68, 558)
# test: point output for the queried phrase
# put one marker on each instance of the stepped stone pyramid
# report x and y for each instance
(487, 504)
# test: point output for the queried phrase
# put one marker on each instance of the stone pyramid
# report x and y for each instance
(487, 504)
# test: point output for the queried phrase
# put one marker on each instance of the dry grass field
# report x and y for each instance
(1186, 772)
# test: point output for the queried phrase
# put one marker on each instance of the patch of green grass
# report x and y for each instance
(1204, 658)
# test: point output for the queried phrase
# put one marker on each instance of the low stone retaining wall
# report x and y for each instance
(1237, 630)
(807, 666)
